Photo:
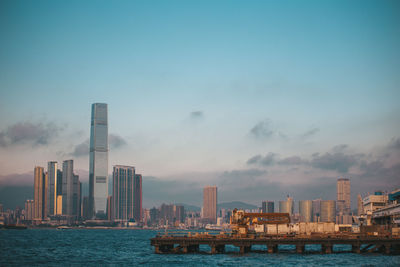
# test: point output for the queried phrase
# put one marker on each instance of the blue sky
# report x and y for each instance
(201, 86)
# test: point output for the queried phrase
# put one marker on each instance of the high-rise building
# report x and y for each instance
(328, 211)
(305, 210)
(137, 211)
(267, 206)
(343, 195)
(55, 186)
(123, 192)
(71, 190)
(29, 209)
(40, 194)
(98, 161)
(210, 204)
(287, 206)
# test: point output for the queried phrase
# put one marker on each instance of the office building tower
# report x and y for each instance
(71, 190)
(343, 195)
(210, 204)
(305, 210)
(267, 206)
(123, 192)
(179, 212)
(40, 193)
(137, 211)
(98, 161)
(287, 206)
(328, 211)
(55, 186)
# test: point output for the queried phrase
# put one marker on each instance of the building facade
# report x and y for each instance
(40, 193)
(71, 191)
(343, 196)
(210, 204)
(98, 161)
(123, 193)
(328, 211)
(287, 206)
(268, 206)
(138, 211)
(305, 210)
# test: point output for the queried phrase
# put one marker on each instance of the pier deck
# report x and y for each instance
(359, 244)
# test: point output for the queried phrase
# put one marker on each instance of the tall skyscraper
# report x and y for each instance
(210, 204)
(137, 212)
(71, 189)
(123, 192)
(52, 173)
(40, 193)
(343, 192)
(267, 206)
(98, 161)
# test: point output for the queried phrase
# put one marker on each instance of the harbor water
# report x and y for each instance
(105, 247)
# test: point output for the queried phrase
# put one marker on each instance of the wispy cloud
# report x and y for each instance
(30, 133)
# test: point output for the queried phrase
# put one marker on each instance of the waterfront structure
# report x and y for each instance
(137, 210)
(123, 192)
(267, 206)
(328, 211)
(375, 201)
(305, 210)
(287, 206)
(210, 204)
(71, 191)
(98, 161)
(40, 193)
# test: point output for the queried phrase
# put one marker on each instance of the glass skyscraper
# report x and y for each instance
(98, 161)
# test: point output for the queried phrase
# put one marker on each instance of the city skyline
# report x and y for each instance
(286, 97)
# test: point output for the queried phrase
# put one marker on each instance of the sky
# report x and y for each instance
(261, 98)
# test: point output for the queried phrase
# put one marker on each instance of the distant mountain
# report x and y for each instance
(189, 207)
(13, 196)
(236, 204)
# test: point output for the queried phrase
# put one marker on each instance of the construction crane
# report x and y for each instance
(240, 220)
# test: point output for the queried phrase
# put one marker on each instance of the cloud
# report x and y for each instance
(334, 161)
(116, 141)
(394, 144)
(339, 148)
(267, 160)
(262, 130)
(294, 160)
(310, 132)
(29, 133)
(196, 115)
(81, 150)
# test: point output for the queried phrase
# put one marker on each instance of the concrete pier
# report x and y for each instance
(184, 244)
